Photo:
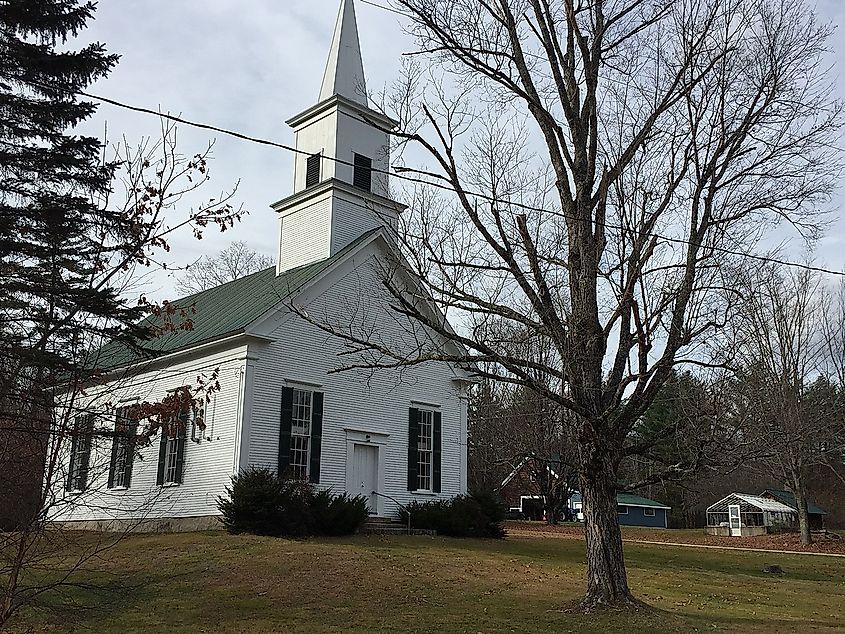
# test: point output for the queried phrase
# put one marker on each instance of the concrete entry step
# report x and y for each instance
(390, 526)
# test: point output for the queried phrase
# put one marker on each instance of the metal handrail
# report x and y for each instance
(399, 504)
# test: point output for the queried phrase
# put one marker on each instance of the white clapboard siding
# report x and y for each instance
(366, 400)
(208, 465)
(252, 378)
(352, 217)
(304, 235)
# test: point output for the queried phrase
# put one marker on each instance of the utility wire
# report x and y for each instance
(394, 174)
(381, 6)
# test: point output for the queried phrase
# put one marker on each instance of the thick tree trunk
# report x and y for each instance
(607, 579)
(803, 514)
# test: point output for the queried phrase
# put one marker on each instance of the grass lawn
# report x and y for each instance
(214, 582)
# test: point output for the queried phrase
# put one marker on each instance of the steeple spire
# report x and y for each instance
(340, 185)
(344, 74)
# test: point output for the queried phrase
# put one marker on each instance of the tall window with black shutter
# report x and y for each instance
(80, 452)
(424, 450)
(312, 170)
(300, 434)
(363, 172)
(171, 452)
(123, 449)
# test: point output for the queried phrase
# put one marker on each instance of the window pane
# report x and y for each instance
(299, 446)
(170, 458)
(425, 454)
(83, 427)
(301, 419)
(300, 440)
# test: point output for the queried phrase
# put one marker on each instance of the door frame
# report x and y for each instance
(350, 485)
(370, 438)
(738, 518)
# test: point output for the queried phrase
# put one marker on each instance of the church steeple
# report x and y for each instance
(344, 73)
(340, 184)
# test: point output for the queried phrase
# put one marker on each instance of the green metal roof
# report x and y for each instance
(221, 311)
(629, 499)
(788, 498)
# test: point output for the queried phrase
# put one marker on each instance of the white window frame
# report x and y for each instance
(123, 445)
(84, 445)
(619, 508)
(649, 511)
(171, 453)
(301, 421)
(425, 451)
(171, 459)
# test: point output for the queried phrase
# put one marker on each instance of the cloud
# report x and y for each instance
(250, 66)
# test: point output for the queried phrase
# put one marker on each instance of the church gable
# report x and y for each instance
(412, 418)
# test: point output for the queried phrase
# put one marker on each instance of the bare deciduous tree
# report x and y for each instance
(233, 262)
(597, 167)
(792, 407)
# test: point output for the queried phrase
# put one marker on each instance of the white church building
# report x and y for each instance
(391, 435)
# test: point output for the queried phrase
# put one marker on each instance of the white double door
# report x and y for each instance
(364, 474)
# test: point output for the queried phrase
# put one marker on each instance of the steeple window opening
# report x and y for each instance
(312, 170)
(363, 172)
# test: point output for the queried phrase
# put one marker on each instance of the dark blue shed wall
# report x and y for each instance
(636, 517)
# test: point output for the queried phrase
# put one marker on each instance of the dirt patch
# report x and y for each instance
(784, 541)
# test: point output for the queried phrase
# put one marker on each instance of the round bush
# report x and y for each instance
(261, 503)
(476, 515)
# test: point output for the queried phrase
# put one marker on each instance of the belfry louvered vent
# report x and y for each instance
(363, 176)
(312, 170)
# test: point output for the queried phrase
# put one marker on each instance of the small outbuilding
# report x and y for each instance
(632, 510)
(520, 490)
(746, 515)
(816, 514)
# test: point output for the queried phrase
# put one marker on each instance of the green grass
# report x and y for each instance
(215, 582)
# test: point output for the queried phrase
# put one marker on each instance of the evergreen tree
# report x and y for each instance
(70, 253)
(56, 233)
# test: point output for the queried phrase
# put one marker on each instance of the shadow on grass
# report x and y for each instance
(91, 596)
(231, 584)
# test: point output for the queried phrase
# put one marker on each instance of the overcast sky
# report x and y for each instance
(249, 65)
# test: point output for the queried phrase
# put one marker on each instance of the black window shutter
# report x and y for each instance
(316, 436)
(363, 172)
(413, 445)
(162, 452)
(181, 434)
(436, 458)
(312, 170)
(86, 454)
(284, 429)
(72, 465)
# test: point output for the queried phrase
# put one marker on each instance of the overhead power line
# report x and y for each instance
(381, 6)
(393, 174)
